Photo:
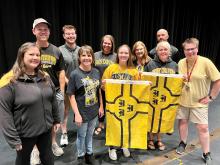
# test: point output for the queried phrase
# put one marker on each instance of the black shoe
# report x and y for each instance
(80, 160)
(207, 158)
(90, 159)
(181, 148)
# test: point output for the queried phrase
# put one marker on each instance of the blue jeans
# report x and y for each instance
(85, 137)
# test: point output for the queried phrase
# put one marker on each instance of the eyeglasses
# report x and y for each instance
(190, 49)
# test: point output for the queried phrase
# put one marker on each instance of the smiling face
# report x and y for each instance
(163, 53)
(31, 59)
(85, 59)
(106, 45)
(70, 36)
(41, 32)
(139, 52)
(123, 54)
(163, 50)
(190, 51)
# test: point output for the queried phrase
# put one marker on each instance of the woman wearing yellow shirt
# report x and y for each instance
(122, 70)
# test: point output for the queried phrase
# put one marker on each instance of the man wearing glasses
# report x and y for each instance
(70, 54)
(199, 73)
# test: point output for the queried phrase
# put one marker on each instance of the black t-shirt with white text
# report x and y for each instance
(85, 86)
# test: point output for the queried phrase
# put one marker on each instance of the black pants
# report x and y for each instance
(43, 143)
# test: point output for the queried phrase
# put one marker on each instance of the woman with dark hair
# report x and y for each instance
(28, 107)
(103, 58)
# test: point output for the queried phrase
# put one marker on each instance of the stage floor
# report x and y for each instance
(168, 157)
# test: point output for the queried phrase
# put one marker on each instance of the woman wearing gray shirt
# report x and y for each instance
(103, 58)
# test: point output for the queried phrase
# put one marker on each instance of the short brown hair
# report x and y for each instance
(87, 49)
(68, 27)
(191, 40)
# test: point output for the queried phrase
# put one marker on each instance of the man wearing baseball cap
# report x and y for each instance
(52, 62)
(40, 20)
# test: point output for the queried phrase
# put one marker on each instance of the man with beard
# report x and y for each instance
(162, 35)
(70, 54)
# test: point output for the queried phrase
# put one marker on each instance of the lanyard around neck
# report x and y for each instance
(189, 73)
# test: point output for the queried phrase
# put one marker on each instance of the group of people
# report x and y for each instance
(46, 81)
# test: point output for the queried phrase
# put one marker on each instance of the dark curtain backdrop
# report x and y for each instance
(128, 21)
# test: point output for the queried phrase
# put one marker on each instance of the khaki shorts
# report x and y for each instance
(195, 115)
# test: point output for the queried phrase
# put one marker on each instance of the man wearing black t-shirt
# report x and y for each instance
(52, 62)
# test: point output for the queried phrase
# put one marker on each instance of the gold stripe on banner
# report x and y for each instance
(164, 101)
(127, 113)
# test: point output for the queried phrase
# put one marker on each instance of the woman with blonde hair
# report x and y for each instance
(161, 63)
(140, 55)
(122, 70)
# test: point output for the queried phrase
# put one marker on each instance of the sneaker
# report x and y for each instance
(126, 152)
(64, 140)
(80, 160)
(90, 159)
(57, 151)
(181, 148)
(207, 158)
(35, 159)
(112, 154)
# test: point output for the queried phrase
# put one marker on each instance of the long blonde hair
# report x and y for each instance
(145, 57)
(130, 61)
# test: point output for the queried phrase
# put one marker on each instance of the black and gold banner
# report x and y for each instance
(127, 113)
(164, 100)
